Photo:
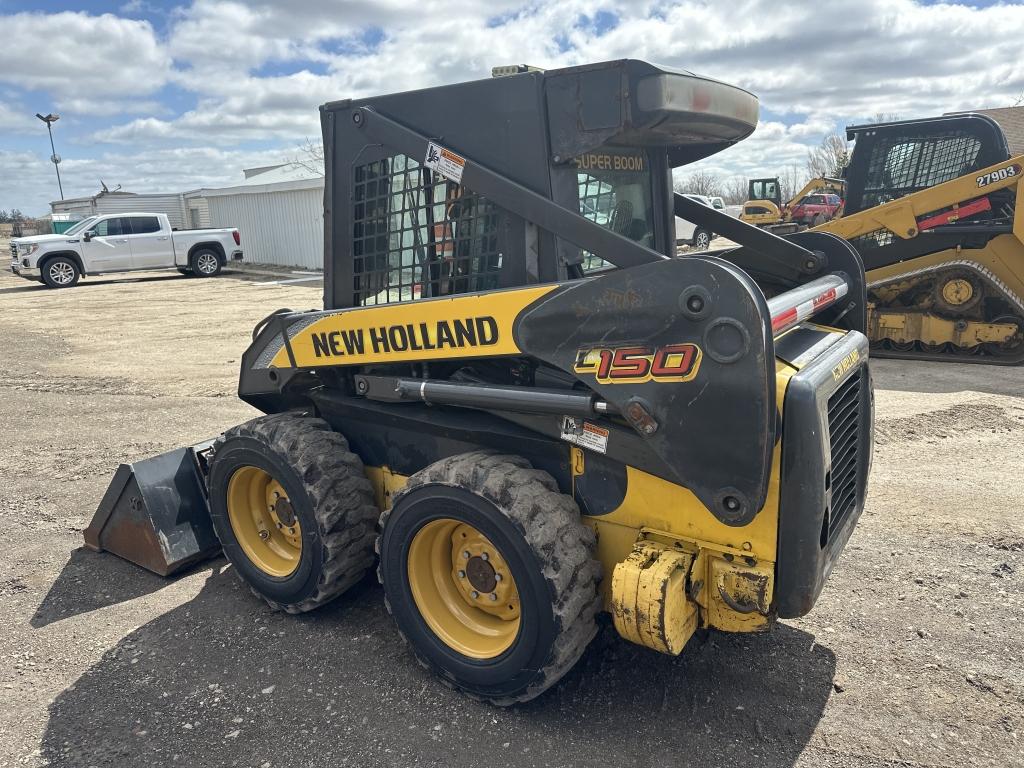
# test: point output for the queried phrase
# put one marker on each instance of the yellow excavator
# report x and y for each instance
(764, 207)
(932, 207)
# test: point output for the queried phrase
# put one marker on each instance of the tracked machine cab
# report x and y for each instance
(520, 408)
(934, 210)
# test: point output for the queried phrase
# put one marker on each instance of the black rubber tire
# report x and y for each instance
(550, 551)
(194, 263)
(329, 492)
(696, 239)
(44, 270)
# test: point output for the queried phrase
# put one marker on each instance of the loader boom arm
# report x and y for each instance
(903, 217)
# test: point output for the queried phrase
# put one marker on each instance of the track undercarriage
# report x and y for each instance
(955, 310)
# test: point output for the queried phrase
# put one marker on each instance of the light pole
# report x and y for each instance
(50, 119)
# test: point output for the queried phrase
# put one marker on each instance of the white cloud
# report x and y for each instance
(70, 54)
(891, 55)
(256, 71)
(16, 119)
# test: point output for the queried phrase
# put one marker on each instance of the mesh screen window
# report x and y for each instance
(899, 166)
(417, 234)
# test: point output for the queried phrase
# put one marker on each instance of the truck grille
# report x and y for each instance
(844, 432)
(14, 251)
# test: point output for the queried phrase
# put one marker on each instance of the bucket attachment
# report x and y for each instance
(155, 512)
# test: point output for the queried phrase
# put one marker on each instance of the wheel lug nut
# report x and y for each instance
(462, 574)
(497, 577)
(474, 594)
(264, 535)
(485, 557)
(494, 597)
(465, 554)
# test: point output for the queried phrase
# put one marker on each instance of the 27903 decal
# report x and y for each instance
(992, 177)
(638, 364)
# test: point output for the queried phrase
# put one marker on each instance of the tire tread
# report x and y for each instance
(339, 492)
(550, 523)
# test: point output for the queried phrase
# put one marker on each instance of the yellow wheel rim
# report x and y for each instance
(957, 291)
(264, 521)
(463, 588)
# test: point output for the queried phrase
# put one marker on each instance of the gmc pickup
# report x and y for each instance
(122, 242)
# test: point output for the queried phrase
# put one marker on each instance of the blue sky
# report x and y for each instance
(176, 96)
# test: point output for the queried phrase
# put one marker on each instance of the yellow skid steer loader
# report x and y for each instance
(518, 405)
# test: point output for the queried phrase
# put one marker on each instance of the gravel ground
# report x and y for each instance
(912, 657)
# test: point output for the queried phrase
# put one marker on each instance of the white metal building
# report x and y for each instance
(279, 212)
(173, 204)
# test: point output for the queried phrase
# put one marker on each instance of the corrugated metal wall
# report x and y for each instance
(80, 208)
(198, 212)
(172, 205)
(284, 228)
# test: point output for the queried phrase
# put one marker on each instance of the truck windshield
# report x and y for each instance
(615, 192)
(80, 226)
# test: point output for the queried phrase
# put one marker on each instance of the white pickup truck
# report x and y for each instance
(122, 242)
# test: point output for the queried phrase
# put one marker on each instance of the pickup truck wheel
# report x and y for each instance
(205, 263)
(701, 240)
(60, 272)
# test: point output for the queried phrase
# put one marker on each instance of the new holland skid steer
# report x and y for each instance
(518, 405)
(934, 210)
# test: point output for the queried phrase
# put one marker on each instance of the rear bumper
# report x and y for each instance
(236, 255)
(829, 409)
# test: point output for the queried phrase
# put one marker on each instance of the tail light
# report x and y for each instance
(238, 237)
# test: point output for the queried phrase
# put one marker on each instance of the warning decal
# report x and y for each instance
(445, 162)
(585, 434)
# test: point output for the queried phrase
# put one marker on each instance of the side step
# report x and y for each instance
(155, 512)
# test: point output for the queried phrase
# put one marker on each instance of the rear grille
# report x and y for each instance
(844, 434)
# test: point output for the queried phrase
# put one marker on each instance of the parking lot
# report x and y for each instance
(913, 655)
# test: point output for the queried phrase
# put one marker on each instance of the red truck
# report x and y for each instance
(816, 209)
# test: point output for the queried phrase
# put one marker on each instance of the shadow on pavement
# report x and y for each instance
(221, 680)
(89, 581)
(928, 377)
(29, 286)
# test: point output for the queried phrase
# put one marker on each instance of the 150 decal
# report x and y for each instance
(992, 177)
(637, 364)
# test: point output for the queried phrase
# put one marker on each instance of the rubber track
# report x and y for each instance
(983, 357)
(339, 492)
(549, 521)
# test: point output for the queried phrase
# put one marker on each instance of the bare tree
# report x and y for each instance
(701, 183)
(829, 158)
(883, 117)
(310, 157)
(734, 191)
(791, 181)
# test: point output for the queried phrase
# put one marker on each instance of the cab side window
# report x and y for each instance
(112, 227)
(143, 225)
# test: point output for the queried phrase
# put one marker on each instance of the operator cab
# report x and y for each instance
(600, 140)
